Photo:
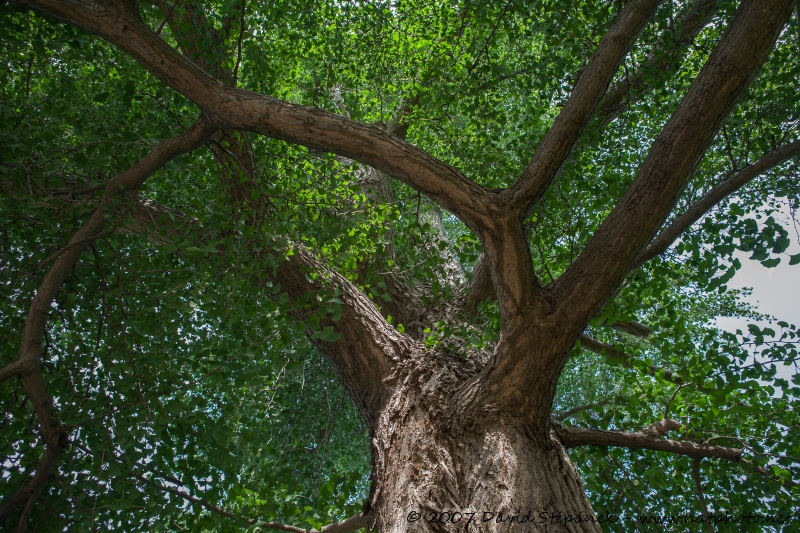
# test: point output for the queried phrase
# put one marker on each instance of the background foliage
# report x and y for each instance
(178, 366)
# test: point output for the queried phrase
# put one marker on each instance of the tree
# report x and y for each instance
(466, 209)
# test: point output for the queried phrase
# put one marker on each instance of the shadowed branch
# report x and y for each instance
(28, 364)
(713, 197)
(649, 438)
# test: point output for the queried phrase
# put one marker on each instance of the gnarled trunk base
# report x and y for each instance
(446, 459)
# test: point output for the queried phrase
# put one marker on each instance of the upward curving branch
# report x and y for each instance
(533, 347)
(589, 90)
(28, 364)
(713, 197)
(622, 237)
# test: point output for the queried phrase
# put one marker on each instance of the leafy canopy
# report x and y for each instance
(177, 363)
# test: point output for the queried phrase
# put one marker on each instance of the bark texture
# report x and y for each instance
(466, 436)
(445, 454)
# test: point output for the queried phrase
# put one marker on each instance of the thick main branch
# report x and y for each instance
(244, 110)
(622, 237)
(592, 84)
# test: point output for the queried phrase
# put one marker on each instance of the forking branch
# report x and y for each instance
(624, 234)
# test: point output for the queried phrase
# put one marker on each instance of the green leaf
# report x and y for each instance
(771, 263)
(327, 334)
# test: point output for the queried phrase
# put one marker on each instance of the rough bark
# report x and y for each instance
(448, 434)
(443, 446)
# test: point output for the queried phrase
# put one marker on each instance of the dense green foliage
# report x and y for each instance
(178, 365)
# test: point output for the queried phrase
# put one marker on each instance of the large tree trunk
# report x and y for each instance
(442, 451)
(447, 437)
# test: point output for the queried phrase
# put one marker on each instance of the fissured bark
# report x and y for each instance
(446, 459)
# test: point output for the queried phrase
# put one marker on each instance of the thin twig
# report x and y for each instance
(699, 489)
